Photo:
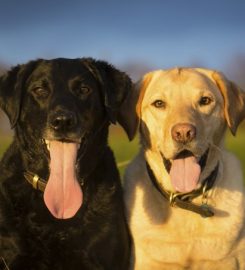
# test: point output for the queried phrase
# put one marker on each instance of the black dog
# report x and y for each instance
(60, 110)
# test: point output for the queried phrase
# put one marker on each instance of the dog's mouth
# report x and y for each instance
(65, 140)
(63, 195)
(185, 169)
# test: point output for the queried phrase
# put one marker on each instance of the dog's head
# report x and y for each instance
(58, 107)
(183, 114)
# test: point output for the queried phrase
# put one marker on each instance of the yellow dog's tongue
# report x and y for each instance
(185, 173)
(63, 195)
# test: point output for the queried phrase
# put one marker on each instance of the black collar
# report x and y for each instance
(183, 200)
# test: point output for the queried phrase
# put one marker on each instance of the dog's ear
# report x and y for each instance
(10, 94)
(127, 115)
(234, 101)
(141, 87)
(118, 94)
(132, 104)
(11, 88)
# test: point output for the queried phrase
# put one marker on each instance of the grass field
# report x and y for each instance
(125, 150)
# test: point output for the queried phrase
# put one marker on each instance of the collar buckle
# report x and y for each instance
(172, 198)
(35, 180)
(184, 200)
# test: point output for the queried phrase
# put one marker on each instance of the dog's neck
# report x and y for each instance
(183, 200)
(155, 161)
(84, 173)
(86, 161)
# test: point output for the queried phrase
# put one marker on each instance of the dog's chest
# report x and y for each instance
(167, 234)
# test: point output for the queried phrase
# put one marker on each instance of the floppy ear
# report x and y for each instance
(127, 115)
(11, 87)
(141, 87)
(118, 94)
(10, 94)
(234, 101)
(131, 108)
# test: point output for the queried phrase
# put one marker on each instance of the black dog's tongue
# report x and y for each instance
(63, 195)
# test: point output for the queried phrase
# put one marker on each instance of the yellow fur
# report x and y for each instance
(172, 238)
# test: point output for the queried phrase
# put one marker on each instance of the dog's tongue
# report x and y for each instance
(63, 195)
(185, 173)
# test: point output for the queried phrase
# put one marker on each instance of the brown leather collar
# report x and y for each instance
(183, 200)
(38, 182)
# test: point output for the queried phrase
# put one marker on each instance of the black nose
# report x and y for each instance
(183, 133)
(63, 121)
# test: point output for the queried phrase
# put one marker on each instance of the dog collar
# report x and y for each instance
(36, 181)
(39, 183)
(183, 200)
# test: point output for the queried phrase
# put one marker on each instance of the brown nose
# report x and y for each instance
(183, 133)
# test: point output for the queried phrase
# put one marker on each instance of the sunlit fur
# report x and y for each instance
(168, 237)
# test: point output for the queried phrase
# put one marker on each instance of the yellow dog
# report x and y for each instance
(184, 192)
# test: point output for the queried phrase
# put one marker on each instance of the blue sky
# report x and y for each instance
(160, 33)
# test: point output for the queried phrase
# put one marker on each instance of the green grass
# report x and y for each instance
(124, 150)
(237, 146)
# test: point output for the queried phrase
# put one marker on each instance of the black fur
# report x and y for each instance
(30, 237)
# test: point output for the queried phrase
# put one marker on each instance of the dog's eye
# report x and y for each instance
(82, 91)
(40, 92)
(159, 104)
(205, 101)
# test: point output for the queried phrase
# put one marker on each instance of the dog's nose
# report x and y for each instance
(183, 133)
(63, 121)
